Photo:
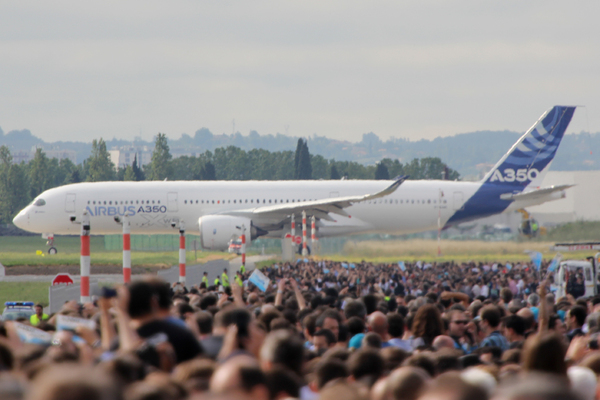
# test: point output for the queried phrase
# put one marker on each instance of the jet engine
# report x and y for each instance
(216, 231)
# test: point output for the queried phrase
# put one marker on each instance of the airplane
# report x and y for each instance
(220, 210)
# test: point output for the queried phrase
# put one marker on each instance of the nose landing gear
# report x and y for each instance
(50, 242)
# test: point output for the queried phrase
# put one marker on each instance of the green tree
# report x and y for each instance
(160, 165)
(39, 173)
(208, 172)
(302, 161)
(14, 189)
(137, 171)
(381, 171)
(129, 174)
(334, 174)
(99, 167)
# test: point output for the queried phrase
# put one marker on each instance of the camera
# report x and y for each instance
(72, 218)
(117, 219)
(173, 224)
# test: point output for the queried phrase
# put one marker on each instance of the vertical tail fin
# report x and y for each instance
(529, 159)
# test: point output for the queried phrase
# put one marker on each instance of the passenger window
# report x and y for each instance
(152, 201)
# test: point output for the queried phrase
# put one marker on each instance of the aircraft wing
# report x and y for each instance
(534, 194)
(321, 208)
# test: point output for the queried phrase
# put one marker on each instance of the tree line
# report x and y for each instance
(21, 183)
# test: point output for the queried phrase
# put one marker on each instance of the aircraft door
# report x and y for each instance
(172, 202)
(70, 203)
(457, 201)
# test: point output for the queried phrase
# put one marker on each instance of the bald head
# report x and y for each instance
(240, 378)
(443, 342)
(378, 323)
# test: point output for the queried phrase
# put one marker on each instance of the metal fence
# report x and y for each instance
(151, 242)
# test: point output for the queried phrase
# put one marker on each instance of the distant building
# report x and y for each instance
(124, 156)
(580, 203)
(26, 156)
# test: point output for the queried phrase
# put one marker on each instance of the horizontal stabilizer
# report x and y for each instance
(534, 194)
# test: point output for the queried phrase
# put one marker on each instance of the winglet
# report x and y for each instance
(388, 190)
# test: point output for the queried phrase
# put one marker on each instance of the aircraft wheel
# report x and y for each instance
(52, 250)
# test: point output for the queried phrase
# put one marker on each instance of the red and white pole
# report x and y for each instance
(244, 246)
(294, 249)
(181, 252)
(313, 232)
(304, 248)
(126, 250)
(85, 259)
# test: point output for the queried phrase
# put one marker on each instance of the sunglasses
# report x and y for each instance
(461, 321)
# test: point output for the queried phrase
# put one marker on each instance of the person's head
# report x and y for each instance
(249, 337)
(240, 377)
(143, 300)
(162, 292)
(406, 383)
(70, 381)
(224, 270)
(39, 310)
(283, 384)
(533, 300)
(546, 354)
(323, 340)
(395, 325)
(194, 375)
(355, 326)
(458, 323)
(366, 365)
(443, 342)
(205, 273)
(427, 323)
(451, 386)
(528, 318)
(576, 317)
(355, 308)
(309, 326)
(328, 370)
(490, 318)
(329, 320)
(282, 348)
(513, 328)
(378, 323)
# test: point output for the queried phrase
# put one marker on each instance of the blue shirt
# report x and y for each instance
(495, 339)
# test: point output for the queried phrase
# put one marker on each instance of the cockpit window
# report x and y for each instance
(39, 202)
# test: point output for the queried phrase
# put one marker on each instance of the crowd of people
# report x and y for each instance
(321, 330)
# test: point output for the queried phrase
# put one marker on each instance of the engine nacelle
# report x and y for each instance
(217, 230)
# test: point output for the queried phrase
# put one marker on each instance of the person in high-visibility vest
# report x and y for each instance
(205, 279)
(242, 269)
(217, 281)
(39, 315)
(238, 279)
(225, 278)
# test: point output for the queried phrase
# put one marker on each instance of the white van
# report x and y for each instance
(569, 269)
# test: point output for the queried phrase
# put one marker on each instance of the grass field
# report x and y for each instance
(426, 250)
(17, 251)
(24, 291)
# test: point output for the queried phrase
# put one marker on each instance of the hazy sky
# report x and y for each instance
(78, 70)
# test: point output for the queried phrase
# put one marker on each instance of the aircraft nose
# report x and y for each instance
(21, 220)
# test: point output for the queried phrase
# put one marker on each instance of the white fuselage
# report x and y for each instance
(152, 206)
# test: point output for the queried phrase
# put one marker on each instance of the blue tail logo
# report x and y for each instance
(529, 159)
(524, 165)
